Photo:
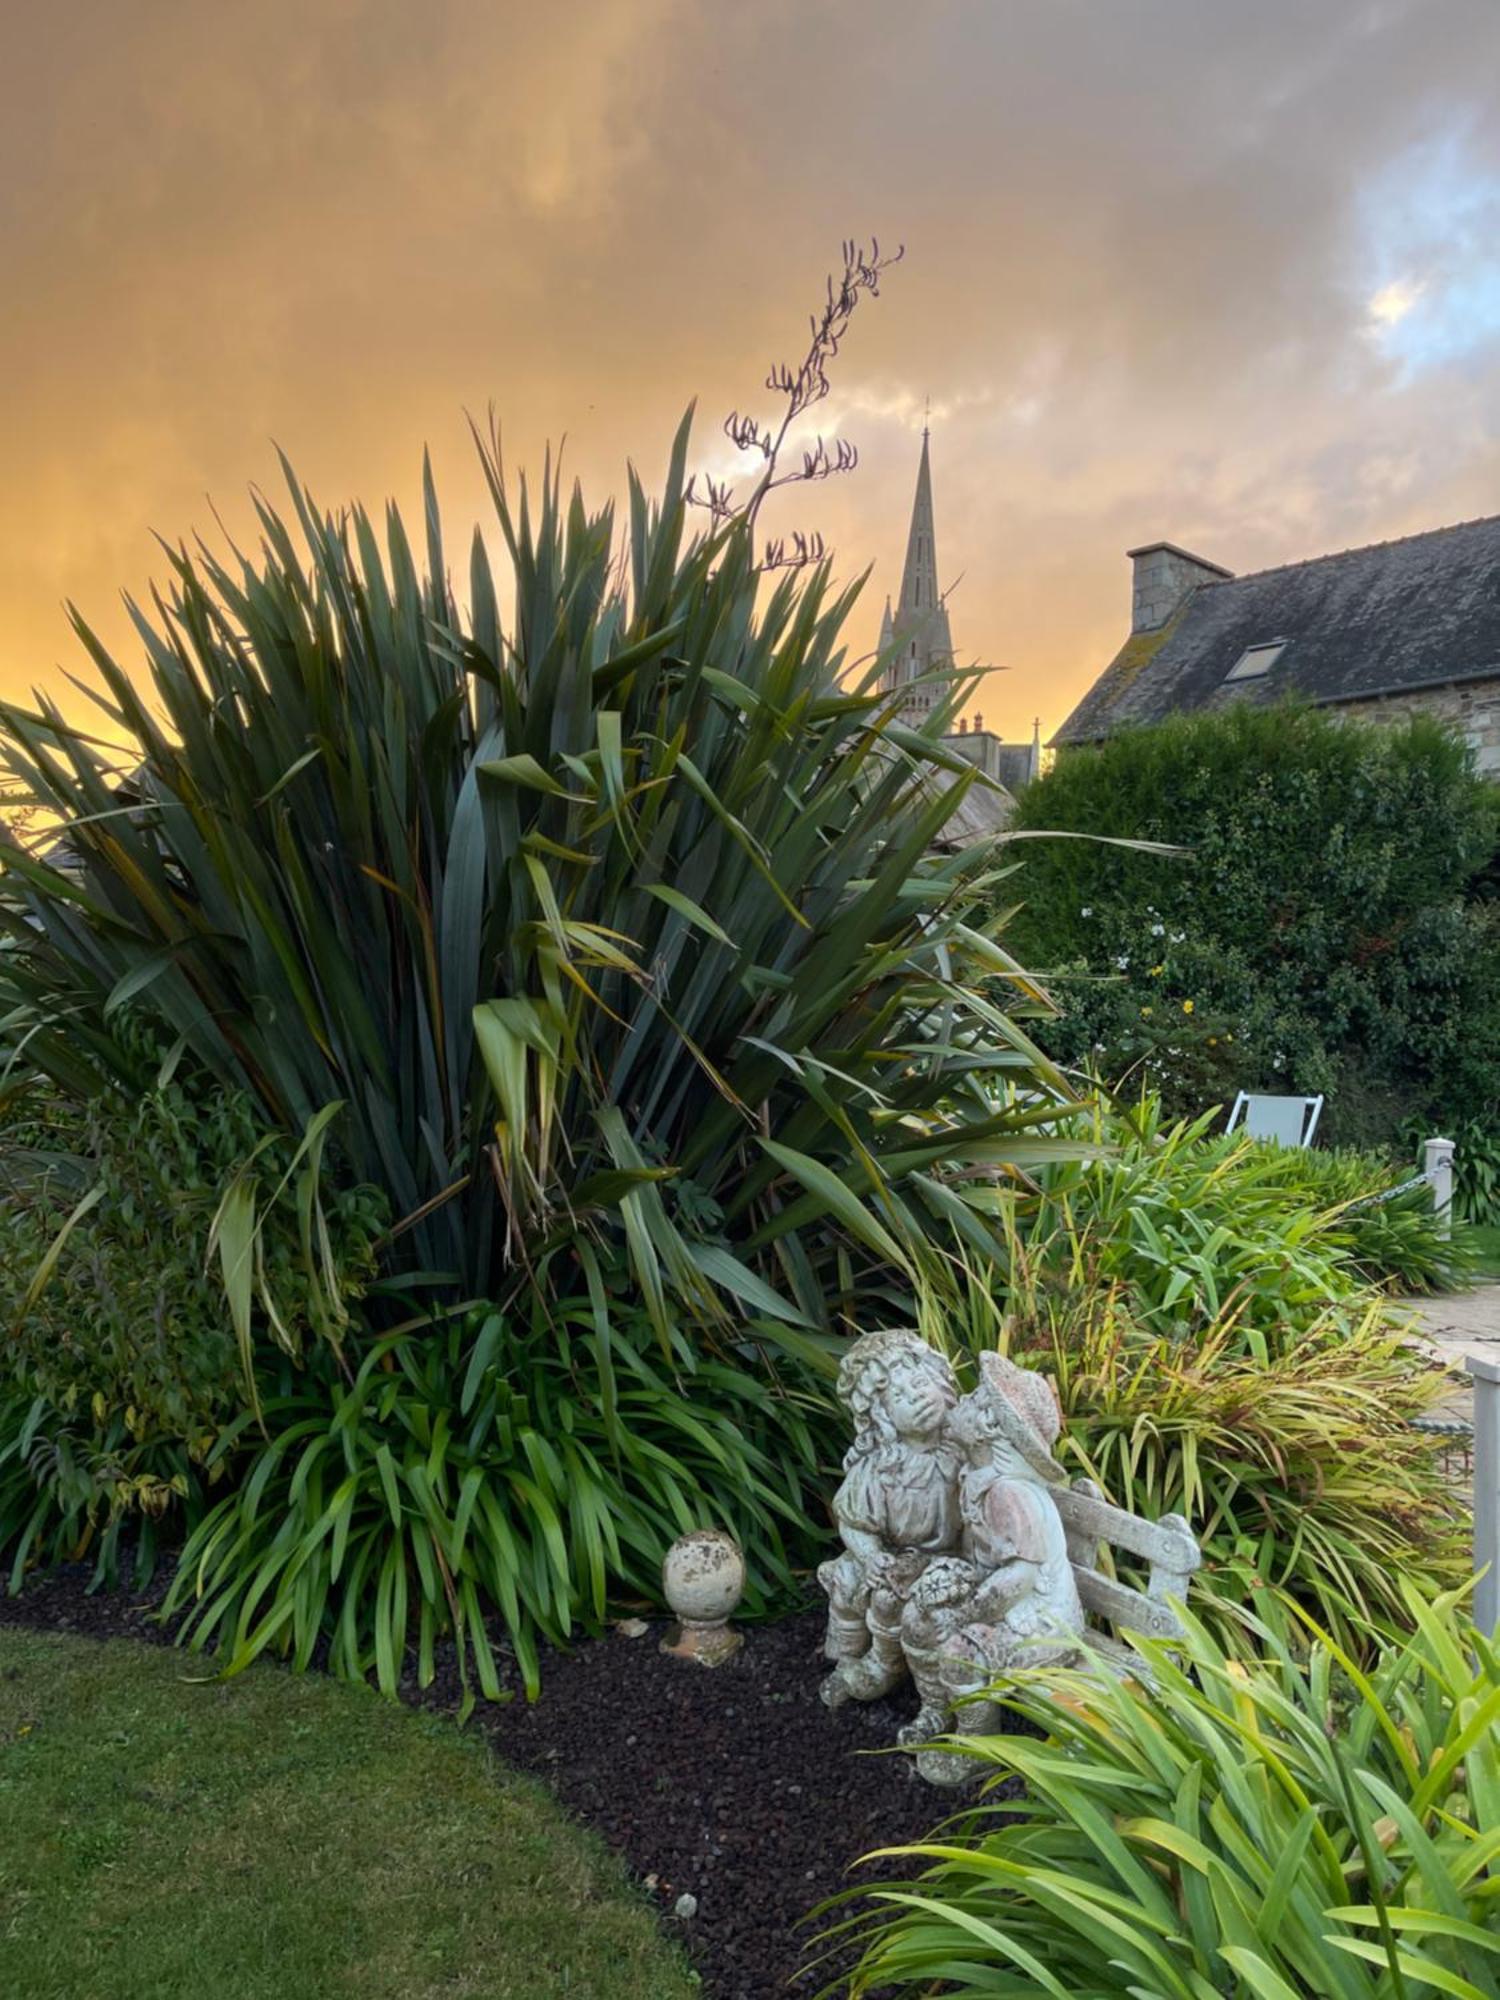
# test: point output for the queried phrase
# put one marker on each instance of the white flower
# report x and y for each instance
(1122, 964)
(1158, 930)
(1087, 910)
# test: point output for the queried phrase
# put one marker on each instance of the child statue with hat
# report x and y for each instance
(1009, 1598)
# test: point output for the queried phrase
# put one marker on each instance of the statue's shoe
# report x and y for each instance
(947, 1767)
(924, 1725)
(864, 1679)
(834, 1692)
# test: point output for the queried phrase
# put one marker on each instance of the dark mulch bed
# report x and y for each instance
(735, 1786)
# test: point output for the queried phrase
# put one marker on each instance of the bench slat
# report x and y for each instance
(1086, 1515)
(1122, 1606)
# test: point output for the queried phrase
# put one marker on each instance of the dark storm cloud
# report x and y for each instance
(1174, 267)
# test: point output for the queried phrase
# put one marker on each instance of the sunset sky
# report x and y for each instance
(1223, 273)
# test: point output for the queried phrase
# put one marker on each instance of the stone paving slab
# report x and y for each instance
(1451, 1327)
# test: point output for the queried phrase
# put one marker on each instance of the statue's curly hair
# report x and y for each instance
(863, 1374)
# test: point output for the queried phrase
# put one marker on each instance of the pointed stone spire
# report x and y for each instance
(918, 634)
(1035, 768)
(919, 585)
(887, 629)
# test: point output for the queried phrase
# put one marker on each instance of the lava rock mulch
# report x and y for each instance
(734, 1786)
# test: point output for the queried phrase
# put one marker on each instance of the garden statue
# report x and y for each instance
(967, 1554)
(897, 1509)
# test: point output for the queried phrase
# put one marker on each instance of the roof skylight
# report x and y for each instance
(1256, 660)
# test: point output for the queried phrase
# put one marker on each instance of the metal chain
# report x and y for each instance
(1389, 1194)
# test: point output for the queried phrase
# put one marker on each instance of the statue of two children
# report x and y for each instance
(955, 1564)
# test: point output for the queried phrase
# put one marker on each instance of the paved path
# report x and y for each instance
(1451, 1326)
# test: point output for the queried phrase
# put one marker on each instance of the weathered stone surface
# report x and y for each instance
(1473, 710)
(703, 1580)
(897, 1509)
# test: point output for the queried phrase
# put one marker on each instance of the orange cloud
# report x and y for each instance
(1138, 289)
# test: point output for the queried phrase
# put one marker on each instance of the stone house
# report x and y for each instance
(1403, 627)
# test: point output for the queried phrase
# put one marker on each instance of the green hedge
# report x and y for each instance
(1328, 927)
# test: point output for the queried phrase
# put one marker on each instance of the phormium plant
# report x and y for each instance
(604, 938)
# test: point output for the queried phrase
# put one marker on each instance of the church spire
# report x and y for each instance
(919, 585)
(916, 643)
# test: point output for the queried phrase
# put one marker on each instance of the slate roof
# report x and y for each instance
(1384, 620)
(983, 810)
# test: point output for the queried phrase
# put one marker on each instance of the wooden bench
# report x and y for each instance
(1167, 1547)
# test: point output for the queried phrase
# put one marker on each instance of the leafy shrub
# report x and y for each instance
(109, 1295)
(1389, 1227)
(1320, 933)
(484, 1466)
(1255, 1827)
(119, 1365)
(1197, 1230)
(1219, 1353)
(615, 934)
(1298, 1466)
(75, 1484)
(607, 946)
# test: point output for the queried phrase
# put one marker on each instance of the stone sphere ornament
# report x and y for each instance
(703, 1580)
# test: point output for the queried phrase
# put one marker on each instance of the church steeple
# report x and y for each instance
(919, 585)
(918, 637)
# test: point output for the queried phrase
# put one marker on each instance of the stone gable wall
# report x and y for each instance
(1473, 710)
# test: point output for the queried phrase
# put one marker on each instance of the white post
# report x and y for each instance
(1437, 1165)
(1486, 1376)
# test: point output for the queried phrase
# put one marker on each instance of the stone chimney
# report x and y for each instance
(1162, 575)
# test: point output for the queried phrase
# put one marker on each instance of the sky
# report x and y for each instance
(1227, 275)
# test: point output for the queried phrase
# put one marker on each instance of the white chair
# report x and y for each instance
(1284, 1121)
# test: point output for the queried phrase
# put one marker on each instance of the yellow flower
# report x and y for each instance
(1145, 1013)
(1156, 972)
(1213, 1041)
(1187, 1006)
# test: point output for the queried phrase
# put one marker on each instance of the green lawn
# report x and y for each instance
(296, 1837)
(1486, 1243)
